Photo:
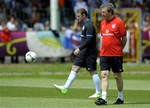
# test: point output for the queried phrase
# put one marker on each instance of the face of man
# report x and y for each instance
(79, 17)
(104, 12)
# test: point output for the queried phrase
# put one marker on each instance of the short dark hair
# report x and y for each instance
(82, 11)
(109, 6)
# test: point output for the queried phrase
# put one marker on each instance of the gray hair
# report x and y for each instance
(109, 6)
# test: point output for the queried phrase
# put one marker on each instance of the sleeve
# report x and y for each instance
(122, 28)
(84, 45)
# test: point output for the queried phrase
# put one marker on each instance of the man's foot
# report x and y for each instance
(61, 88)
(95, 95)
(100, 101)
(119, 101)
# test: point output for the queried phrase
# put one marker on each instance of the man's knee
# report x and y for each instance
(104, 74)
(117, 75)
(75, 68)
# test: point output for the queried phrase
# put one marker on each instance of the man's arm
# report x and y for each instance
(124, 40)
(82, 46)
(87, 42)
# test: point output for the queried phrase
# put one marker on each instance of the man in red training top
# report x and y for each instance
(113, 40)
(5, 36)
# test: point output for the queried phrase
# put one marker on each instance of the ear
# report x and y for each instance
(84, 15)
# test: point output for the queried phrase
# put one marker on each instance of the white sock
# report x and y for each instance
(71, 78)
(120, 95)
(104, 96)
(96, 81)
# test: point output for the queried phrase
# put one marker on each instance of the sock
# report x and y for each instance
(71, 78)
(96, 81)
(120, 95)
(104, 96)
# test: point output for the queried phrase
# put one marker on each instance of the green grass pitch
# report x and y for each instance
(31, 86)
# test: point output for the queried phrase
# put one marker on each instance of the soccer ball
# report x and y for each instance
(30, 56)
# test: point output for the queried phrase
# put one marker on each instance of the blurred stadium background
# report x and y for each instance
(49, 28)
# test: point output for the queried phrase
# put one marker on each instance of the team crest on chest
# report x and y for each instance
(113, 26)
(107, 31)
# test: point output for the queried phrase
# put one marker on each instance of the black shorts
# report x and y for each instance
(87, 60)
(114, 63)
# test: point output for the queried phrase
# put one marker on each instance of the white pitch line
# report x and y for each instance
(57, 73)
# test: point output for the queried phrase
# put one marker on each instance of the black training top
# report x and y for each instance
(88, 36)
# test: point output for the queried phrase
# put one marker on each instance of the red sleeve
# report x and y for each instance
(122, 28)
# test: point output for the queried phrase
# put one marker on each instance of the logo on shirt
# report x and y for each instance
(113, 25)
(83, 28)
(107, 31)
